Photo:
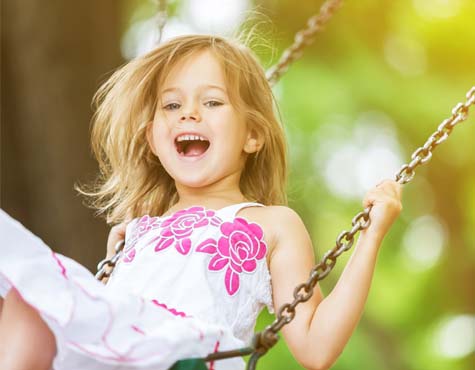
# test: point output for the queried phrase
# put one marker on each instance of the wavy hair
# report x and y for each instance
(132, 182)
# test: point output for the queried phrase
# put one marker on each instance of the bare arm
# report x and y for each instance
(323, 326)
(338, 314)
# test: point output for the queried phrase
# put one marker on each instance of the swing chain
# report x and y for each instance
(361, 221)
(304, 291)
(106, 266)
(424, 153)
(302, 39)
(161, 17)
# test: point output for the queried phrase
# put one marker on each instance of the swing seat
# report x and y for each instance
(190, 364)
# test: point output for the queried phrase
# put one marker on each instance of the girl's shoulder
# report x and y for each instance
(275, 216)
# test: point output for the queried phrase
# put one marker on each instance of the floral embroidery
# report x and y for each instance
(143, 226)
(239, 249)
(179, 226)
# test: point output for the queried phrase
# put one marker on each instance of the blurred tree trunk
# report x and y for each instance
(54, 56)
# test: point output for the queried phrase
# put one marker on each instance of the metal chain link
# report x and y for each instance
(161, 17)
(423, 154)
(361, 221)
(106, 266)
(302, 39)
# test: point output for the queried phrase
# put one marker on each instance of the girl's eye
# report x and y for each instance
(213, 103)
(171, 106)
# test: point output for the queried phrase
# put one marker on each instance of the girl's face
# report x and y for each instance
(196, 133)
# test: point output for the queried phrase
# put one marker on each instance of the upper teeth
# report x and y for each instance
(190, 137)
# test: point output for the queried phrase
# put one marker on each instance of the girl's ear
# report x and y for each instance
(150, 137)
(253, 142)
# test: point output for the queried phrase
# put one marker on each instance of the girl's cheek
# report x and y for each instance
(168, 118)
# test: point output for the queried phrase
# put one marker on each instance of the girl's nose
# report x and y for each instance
(190, 116)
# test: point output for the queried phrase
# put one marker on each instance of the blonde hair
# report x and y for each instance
(132, 182)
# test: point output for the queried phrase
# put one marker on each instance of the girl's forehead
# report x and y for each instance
(198, 70)
(203, 86)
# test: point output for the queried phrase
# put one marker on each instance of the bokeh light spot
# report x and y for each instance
(455, 337)
(354, 160)
(437, 8)
(423, 242)
(216, 16)
(405, 55)
(142, 35)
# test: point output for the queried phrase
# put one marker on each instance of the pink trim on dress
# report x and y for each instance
(63, 269)
(137, 329)
(216, 346)
(171, 310)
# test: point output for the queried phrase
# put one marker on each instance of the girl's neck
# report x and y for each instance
(216, 199)
(209, 202)
(217, 195)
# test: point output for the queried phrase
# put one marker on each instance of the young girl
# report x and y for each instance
(193, 165)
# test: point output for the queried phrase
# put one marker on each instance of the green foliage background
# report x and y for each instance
(344, 74)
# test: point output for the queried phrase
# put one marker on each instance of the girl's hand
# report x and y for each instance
(116, 234)
(385, 199)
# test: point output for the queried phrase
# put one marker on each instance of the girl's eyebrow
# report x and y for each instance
(201, 87)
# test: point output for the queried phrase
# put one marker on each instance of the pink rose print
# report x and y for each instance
(178, 227)
(143, 226)
(239, 249)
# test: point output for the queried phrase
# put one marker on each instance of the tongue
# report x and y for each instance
(195, 148)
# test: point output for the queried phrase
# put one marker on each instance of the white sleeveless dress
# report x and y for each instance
(187, 285)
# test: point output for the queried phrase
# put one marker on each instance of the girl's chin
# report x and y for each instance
(191, 183)
(192, 178)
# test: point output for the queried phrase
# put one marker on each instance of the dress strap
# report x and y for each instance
(230, 212)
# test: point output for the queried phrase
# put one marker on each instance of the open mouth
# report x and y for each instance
(191, 146)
